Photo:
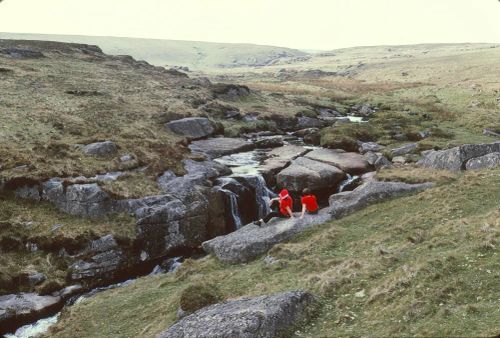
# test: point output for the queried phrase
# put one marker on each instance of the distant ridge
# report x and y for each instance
(193, 54)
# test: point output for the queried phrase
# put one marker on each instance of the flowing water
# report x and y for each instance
(41, 326)
(350, 179)
(35, 329)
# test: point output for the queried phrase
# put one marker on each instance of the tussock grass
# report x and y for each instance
(416, 174)
(423, 265)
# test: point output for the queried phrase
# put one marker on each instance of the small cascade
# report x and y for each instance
(262, 193)
(231, 189)
(37, 328)
(347, 183)
(170, 265)
(233, 206)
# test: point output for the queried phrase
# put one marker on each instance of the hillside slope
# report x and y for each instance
(424, 265)
(193, 54)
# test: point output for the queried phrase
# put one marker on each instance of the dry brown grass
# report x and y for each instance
(416, 174)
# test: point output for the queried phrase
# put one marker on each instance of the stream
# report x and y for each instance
(247, 196)
(41, 326)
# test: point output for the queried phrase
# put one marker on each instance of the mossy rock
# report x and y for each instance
(197, 296)
(49, 286)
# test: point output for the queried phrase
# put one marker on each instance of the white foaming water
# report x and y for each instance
(357, 119)
(347, 181)
(234, 209)
(33, 330)
(246, 163)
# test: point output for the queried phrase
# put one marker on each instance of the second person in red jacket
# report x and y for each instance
(308, 202)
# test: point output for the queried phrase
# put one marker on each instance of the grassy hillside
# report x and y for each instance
(424, 265)
(75, 94)
(194, 54)
(452, 89)
(421, 265)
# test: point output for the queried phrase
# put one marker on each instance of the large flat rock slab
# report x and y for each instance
(348, 202)
(252, 241)
(278, 159)
(259, 317)
(306, 173)
(20, 309)
(352, 163)
(455, 159)
(220, 146)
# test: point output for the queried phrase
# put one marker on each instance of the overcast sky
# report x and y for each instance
(306, 24)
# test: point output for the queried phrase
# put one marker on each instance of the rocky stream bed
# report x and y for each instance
(210, 209)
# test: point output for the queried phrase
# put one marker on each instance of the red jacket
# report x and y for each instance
(310, 202)
(286, 202)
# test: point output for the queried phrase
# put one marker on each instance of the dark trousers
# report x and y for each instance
(272, 214)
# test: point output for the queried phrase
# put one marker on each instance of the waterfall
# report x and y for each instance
(225, 184)
(233, 204)
(345, 183)
(262, 193)
(247, 198)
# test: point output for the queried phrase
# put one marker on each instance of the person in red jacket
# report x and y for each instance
(285, 208)
(308, 202)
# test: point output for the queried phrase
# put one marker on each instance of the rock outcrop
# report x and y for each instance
(491, 160)
(101, 149)
(217, 147)
(87, 200)
(259, 317)
(278, 159)
(252, 241)
(405, 149)
(19, 309)
(310, 122)
(347, 202)
(192, 127)
(105, 258)
(306, 173)
(455, 159)
(365, 147)
(351, 163)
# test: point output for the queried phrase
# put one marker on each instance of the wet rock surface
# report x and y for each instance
(259, 317)
(455, 159)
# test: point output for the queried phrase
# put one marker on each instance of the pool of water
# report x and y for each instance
(246, 163)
